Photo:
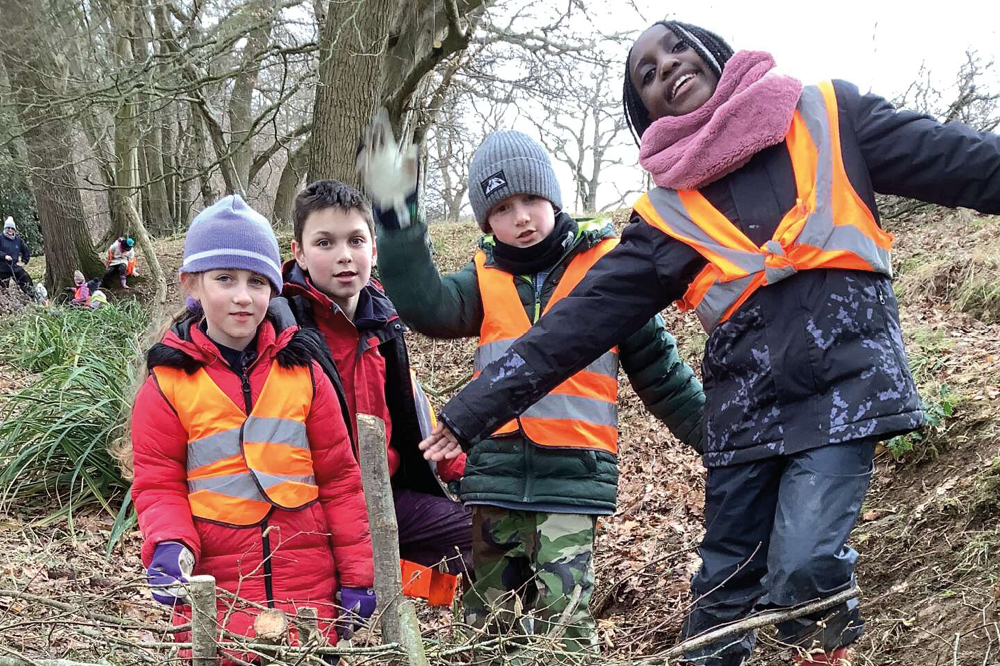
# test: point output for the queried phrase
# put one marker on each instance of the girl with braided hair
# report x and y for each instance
(764, 222)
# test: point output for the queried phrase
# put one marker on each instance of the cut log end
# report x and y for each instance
(271, 626)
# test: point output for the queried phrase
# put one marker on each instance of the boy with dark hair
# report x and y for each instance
(329, 287)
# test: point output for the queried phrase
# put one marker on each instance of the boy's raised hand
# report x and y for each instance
(389, 174)
(441, 444)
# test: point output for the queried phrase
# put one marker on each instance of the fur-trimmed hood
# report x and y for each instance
(186, 346)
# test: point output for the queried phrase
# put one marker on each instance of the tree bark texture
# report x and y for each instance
(240, 109)
(374, 53)
(32, 72)
(352, 56)
(288, 186)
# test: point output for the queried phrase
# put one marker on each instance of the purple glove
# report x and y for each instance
(168, 572)
(358, 604)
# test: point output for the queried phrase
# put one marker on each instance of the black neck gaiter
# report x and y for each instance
(541, 256)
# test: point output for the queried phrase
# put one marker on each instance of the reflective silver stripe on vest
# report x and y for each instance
(576, 408)
(423, 408)
(720, 298)
(268, 481)
(671, 210)
(213, 448)
(239, 485)
(226, 444)
(280, 431)
(818, 231)
(242, 485)
(606, 364)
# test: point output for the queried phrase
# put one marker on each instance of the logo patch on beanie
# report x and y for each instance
(494, 183)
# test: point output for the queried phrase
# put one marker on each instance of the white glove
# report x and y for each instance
(388, 173)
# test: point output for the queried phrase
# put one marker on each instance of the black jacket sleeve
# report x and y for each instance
(622, 291)
(25, 252)
(916, 156)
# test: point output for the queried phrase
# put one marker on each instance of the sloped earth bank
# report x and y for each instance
(928, 535)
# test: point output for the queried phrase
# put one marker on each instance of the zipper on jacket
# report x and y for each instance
(265, 538)
(245, 384)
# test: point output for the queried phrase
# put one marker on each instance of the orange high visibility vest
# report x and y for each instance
(829, 226)
(239, 465)
(129, 267)
(580, 413)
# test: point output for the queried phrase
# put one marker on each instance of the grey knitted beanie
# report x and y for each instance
(509, 163)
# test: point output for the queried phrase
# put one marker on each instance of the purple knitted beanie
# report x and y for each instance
(230, 234)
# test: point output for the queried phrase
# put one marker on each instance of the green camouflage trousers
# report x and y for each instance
(534, 575)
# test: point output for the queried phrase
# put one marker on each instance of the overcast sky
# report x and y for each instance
(877, 44)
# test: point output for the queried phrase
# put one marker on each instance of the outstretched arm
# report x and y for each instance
(914, 155)
(440, 306)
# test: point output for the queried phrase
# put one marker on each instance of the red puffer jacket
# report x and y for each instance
(291, 559)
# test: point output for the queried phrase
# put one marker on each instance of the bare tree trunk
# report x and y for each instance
(350, 83)
(155, 196)
(288, 185)
(168, 153)
(127, 166)
(208, 195)
(32, 71)
(240, 110)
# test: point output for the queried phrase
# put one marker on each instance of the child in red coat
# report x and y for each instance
(243, 464)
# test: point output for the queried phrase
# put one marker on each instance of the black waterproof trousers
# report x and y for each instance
(10, 270)
(776, 534)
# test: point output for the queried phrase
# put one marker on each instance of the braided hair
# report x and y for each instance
(711, 48)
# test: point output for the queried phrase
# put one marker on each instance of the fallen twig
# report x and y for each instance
(100, 617)
(762, 620)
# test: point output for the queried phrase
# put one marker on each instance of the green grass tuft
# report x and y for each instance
(56, 432)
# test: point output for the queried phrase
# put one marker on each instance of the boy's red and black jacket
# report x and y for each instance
(370, 369)
(292, 556)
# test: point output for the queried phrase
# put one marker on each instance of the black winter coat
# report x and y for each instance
(15, 248)
(815, 359)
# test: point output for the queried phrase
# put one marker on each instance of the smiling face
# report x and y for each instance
(338, 252)
(234, 300)
(522, 220)
(669, 76)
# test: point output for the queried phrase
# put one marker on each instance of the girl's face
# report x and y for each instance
(235, 302)
(670, 77)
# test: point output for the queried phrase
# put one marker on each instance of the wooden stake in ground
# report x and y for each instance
(203, 620)
(399, 619)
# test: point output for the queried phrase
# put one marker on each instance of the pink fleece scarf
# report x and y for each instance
(751, 109)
